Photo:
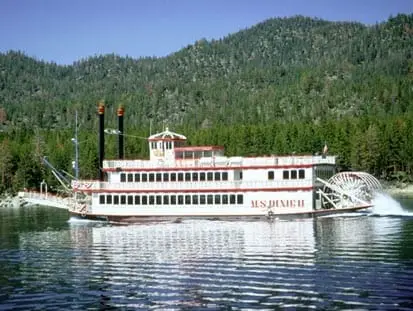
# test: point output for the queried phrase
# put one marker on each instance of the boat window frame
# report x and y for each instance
(109, 199)
(122, 177)
(130, 199)
(195, 176)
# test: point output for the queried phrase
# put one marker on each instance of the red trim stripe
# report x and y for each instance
(207, 168)
(161, 191)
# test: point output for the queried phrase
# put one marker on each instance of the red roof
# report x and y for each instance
(199, 148)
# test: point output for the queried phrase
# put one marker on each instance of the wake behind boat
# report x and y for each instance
(200, 181)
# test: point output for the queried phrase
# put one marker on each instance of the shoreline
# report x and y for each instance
(400, 191)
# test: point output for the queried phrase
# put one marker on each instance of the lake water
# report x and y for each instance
(362, 261)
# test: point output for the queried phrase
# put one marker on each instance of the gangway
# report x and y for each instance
(44, 198)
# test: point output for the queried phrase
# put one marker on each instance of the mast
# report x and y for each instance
(76, 141)
(101, 134)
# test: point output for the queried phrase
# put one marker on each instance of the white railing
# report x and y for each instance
(98, 185)
(230, 161)
(44, 198)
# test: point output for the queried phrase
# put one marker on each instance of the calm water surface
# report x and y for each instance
(362, 262)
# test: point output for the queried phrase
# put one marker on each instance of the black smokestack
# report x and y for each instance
(101, 113)
(121, 111)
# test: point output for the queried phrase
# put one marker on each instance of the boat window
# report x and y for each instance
(180, 176)
(210, 176)
(202, 176)
(225, 199)
(237, 175)
(270, 175)
(173, 177)
(187, 199)
(137, 200)
(130, 199)
(122, 177)
(108, 199)
(286, 175)
(144, 200)
(123, 199)
(195, 199)
(225, 176)
(202, 199)
(240, 199)
(158, 176)
(187, 176)
(173, 199)
(116, 199)
(101, 199)
(137, 177)
(144, 177)
(180, 199)
(151, 177)
(217, 199)
(194, 176)
(210, 199)
(232, 199)
(158, 200)
(151, 200)
(165, 176)
(294, 174)
(301, 174)
(130, 177)
(165, 199)
(217, 176)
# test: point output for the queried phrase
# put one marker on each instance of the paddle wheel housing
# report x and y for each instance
(346, 189)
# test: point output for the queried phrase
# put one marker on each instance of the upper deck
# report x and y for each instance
(222, 161)
(167, 151)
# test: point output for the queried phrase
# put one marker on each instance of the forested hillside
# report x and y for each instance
(282, 86)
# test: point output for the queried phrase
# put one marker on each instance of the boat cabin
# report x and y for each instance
(168, 146)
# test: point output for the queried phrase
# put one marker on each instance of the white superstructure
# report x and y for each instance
(180, 180)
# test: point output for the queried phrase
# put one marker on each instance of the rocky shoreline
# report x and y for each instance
(8, 200)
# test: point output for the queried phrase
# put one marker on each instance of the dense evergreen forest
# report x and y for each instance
(287, 85)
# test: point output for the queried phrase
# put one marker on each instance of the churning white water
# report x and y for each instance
(385, 205)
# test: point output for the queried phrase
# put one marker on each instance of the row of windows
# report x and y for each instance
(188, 176)
(288, 174)
(181, 199)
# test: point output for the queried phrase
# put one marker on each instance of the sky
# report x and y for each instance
(64, 31)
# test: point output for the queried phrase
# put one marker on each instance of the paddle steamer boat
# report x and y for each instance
(180, 181)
